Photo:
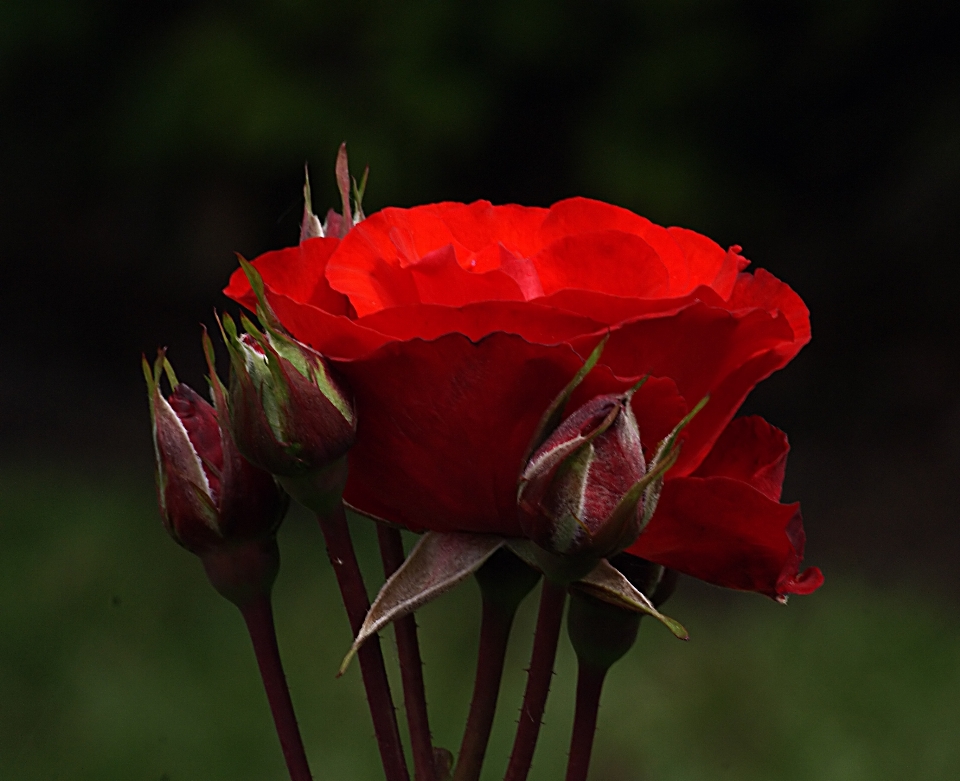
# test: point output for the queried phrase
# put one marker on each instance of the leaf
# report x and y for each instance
(605, 582)
(342, 170)
(265, 314)
(438, 563)
(358, 196)
(551, 418)
(310, 227)
(666, 456)
(217, 388)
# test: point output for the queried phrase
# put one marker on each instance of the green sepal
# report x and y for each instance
(208, 510)
(605, 582)
(342, 170)
(621, 517)
(554, 413)
(265, 313)
(307, 199)
(310, 226)
(358, 194)
(666, 456)
(217, 389)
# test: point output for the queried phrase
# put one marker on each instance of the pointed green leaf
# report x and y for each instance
(554, 413)
(217, 388)
(342, 170)
(307, 200)
(438, 563)
(627, 506)
(607, 583)
(171, 376)
(151, 375)
(264, 313)
(358, 195)
(310, 226)
(666, 456)
(671, 439)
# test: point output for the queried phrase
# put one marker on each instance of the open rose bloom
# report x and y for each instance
(457, 325)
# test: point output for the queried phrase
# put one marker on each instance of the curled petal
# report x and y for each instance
(300, 272)
(728, 533)
(752, 451)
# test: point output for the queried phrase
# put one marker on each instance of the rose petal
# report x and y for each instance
(444, 425)
(342, 338)
(709, 264)
(441, 280)
(367, 265)
(199, 419)
(614, 309)
(725, 532)
(336, 336)
(535, 323)
(697, 346)
(762, 290)
(752, 451)
(703, 431)
(297, 272)
(603, 261)
(583, 215)
(705, 350)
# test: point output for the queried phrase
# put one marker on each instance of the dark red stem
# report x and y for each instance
(589, 685)
(336, 534)
(411, 666)
(258, 615)
(494, 634)
(545, 642)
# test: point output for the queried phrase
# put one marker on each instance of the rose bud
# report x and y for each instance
(212, 500)
(288, 414)
(577, 494)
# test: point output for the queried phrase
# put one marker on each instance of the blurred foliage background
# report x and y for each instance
(142, 144)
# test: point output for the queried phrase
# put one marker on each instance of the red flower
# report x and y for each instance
(457, 325)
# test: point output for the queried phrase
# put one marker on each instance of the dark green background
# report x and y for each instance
(141, 144)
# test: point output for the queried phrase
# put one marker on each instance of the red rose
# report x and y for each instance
(456, 326)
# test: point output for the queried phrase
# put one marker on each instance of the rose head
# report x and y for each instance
(210, 496)
(572, 491)
(457, 325)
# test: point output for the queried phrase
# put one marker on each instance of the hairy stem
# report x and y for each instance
(589, 685)
(258, 615)
(545, 641)
(495, 627)
(411, 666)
(336, 534)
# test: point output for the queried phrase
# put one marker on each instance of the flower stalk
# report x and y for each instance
(336, 535)
(552, 599)
(258, 616)
(504, 582)
(589, 686)
(601, 634)
(411, 665)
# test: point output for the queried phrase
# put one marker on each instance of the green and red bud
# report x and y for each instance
(287, 413)
(578, 495)
(210, 496)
